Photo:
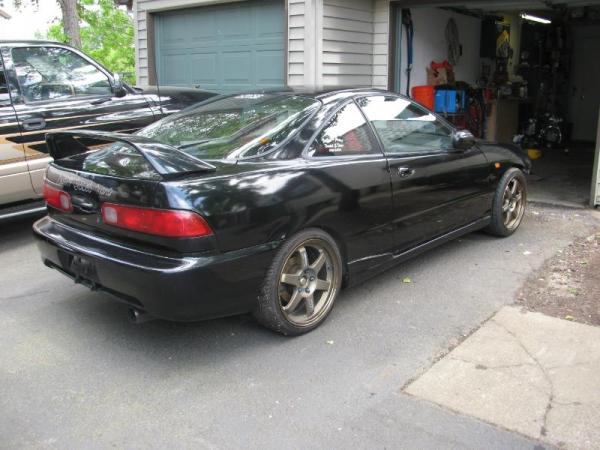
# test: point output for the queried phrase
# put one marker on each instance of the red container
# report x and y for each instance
(425, 95)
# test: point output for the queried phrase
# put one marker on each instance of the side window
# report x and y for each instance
(347, 133)
(405, 127)
(4, 97)
(46, 73)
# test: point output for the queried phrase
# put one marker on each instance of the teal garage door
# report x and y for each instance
(224, 48)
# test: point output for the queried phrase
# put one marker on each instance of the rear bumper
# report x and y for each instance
(182, 288)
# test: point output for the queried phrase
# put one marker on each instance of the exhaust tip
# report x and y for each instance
(137, 316)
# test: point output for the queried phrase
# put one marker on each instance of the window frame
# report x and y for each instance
(326, 121)
(8, 101)
(429, 151)
(23, 100)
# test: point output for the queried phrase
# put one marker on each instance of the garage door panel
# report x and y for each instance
(268, 24)
(203, 29)
(175, 30)
(267, 73)
(204, 69)
(174, 77)
(237, 67)
(226, 48)
(235, 23)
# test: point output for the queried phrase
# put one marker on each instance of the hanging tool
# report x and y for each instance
(408, 24)
(453, 42)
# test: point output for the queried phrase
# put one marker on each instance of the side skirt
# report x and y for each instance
(398, 258)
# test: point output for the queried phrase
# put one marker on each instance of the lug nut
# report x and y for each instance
(307, 290)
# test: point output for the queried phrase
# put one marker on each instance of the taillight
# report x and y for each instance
(159, 222)
(57, 199)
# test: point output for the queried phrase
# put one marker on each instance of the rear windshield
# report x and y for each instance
(237, 126)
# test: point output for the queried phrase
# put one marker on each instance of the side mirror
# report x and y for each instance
(463, 140)
(117, 86)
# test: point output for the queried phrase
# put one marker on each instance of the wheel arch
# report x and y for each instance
(341, 247)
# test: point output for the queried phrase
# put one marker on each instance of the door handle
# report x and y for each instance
(405, 171)
(36, 123)
(100, 100)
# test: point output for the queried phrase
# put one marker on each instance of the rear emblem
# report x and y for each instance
(84, 189)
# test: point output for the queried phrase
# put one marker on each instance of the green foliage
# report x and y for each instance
(106, 36)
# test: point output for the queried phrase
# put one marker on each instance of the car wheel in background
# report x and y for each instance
(301, 285)
(508, 205)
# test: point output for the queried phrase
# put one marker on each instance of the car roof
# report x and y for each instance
(343, 92)
(29, 42)
(328, 95)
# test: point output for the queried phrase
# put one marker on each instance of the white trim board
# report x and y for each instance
(595, 194)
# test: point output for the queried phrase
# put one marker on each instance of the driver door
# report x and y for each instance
(59, 89)
(435, 187)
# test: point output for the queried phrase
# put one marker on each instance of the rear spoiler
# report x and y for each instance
(165, 159)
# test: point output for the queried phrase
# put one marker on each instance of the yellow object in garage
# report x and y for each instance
(534, 153)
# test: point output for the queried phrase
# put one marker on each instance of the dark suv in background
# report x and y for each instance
(46, 86)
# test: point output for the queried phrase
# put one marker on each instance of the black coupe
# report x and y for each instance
(268, 202)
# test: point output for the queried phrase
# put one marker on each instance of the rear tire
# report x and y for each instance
(508, 205)
(301, 285)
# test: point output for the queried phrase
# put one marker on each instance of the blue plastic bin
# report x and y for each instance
(450, 101)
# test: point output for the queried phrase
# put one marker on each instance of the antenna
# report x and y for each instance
(157, 83)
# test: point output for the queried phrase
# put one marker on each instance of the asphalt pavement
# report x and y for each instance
(74, 373)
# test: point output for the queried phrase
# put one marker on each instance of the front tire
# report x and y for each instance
(301, 285)
(508, 205)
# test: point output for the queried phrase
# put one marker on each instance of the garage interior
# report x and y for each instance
(524, 72)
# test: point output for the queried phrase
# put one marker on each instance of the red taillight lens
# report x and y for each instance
(160, 222)
(57, 199)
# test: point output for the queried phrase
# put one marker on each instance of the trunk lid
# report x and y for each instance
(95, 168)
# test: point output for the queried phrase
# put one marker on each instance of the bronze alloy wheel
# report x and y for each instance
(308, 282)
(513, 204)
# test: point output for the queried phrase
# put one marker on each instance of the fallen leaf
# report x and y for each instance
(527, 252)
(407, 280)
(329, 342)
(569, 318)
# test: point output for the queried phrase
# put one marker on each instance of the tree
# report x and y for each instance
(106, 34)
(71, 21)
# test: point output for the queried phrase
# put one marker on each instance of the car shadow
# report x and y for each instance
(98, 320)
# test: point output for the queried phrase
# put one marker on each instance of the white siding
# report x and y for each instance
(381, 29)
(296, 42)
(141, 42)
(595, 194)
(348, 31)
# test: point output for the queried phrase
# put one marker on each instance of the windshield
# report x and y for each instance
(237, 126)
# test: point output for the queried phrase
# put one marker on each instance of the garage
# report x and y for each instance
(225, 48)
(522, 72)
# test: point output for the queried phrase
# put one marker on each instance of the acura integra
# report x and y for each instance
(268, 202)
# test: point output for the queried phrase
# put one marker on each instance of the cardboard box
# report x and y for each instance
(440, 76)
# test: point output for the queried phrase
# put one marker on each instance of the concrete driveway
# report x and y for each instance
(74, 373)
